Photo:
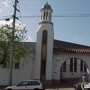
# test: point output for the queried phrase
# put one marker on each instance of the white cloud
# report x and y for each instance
(3, 22)
(0, 10)
(17, 24)
(77, 38)
(27, 38)
(5, 3)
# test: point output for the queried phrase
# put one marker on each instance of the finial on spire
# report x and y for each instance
(46, 6)
(46, 2)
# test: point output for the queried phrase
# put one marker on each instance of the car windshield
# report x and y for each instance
(23, 83)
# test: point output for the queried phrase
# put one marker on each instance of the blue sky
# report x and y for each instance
(70, 27)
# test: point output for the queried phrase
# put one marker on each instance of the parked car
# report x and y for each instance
(79, 86)
(27, 85)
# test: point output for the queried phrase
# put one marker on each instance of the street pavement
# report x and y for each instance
(65, 86)
(60, 89)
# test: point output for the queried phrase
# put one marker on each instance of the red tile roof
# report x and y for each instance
(62, 46)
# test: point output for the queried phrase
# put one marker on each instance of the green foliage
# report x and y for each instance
(20, 51)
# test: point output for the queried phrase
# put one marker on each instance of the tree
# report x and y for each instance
(19, 48)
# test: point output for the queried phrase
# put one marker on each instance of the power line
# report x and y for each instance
(7, 19)
(65, 34)
(21, 2)
(6, 16)
(66, 15)
(26, 5)
(20, 15)
(73, 15)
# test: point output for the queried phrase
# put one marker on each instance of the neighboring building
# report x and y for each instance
(55, 60)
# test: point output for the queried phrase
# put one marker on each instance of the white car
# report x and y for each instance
(27, 85)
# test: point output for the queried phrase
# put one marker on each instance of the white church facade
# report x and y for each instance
(55, 61)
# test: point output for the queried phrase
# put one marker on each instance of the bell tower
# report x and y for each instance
(44, 46)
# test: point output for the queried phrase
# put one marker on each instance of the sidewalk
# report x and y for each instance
(63, 85)
(53, 87)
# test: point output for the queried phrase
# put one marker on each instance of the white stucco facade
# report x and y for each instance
(57, 63)
(26, 69)
(23, 73)
(39, 45)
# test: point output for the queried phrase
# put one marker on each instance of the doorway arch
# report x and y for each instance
(73, 69)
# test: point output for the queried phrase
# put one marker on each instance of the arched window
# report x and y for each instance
(46, 15)
(43, 55)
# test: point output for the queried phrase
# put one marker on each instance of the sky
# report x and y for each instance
(71, 18)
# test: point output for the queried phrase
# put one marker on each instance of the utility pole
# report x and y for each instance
(12, 43)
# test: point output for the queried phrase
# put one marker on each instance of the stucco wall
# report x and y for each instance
(23, 73)
(63, 57)
(49, 29)
(26, 69)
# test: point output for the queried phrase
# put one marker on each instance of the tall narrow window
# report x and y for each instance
(17, 65)
(85, 68)
(46, 15)
(75, 65)
(71, 64)
(64, 67)
(43, 55)
(81, 66)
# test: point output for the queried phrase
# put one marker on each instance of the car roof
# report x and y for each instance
(30, 80)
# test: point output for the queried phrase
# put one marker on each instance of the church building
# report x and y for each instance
(58, 61)
(55, 61)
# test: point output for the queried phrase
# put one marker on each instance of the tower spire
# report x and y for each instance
(46, 13)
(44, 46)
